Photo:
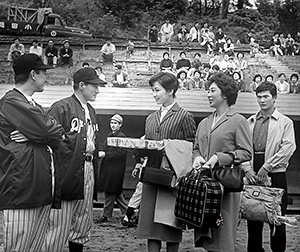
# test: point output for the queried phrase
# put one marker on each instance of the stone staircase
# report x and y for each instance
(276, 65)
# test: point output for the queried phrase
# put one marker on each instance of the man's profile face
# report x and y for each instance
(265, 100)
(39, 78)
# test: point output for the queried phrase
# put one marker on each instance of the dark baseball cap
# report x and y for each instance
(87, 75)
(27, 62)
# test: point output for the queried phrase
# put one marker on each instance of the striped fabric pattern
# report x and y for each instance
(176, 124)
(73, 221)
(25, 229)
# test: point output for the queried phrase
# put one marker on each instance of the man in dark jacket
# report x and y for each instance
(112, 172)
(27, 173)
(51, 53)
(66, 54)
(77, 163)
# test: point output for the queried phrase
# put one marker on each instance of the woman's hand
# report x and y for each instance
(18, 137)
(136, 169)
(211, 162)
(251, 176)
(198, 162)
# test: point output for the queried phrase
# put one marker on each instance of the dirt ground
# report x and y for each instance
(113, 237)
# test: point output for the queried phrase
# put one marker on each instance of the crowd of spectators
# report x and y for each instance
(192, 74)
(285, 45)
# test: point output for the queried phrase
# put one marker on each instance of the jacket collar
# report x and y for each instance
(275, 115)
(170, 112)
(229, 113)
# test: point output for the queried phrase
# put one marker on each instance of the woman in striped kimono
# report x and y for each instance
(169, 122)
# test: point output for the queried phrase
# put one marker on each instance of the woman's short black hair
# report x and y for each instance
(199, 54)
(227, 85)
(180, 72)
(281, 74)
(197, 71)
(166, 53)
(294, 75)
(240, 76)
(237, 55)
(267, 86)
(269, 75)
(257, 75)
(167, 80)
(215, 67)
(182, 53)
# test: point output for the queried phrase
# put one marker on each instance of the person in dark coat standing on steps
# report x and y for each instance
(112, 172)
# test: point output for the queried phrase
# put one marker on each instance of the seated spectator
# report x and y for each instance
(282, 85)
(204, 29)
(182, 79)
(196, 82)
(51, 54)
(191, 71)
(183, 62)
(101, 75)
(220, 40)
(231, 65)
(66, 54)
(257, 80)
(129, 48)
(120, 78)
(183, 34)
(196, 59)
(195, 35)
(290, 45)
(85, 64)
(241, 63)
(240, 83)
(269, 78)
(276, 47)
(36, 49)
(282, 43)
(214, 69)
(216, 60)
(107, 52)
(207, 39)
(294, 83)
(229, 47)
(166, 64)
(166, 32)
(254, 47)
(16, 49)
(206, 71)
(153, 34)
(224, 63)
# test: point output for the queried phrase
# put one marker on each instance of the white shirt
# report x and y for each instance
(90, 134)
(36, 50)
(164, 110)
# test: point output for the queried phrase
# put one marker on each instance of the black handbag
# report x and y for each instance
(163, 176)
(231, 177)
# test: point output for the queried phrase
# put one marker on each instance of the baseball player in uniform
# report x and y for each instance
(27, 174)
(76, 162)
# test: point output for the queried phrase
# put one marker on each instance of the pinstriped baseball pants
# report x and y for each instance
(25, 229)
(73, 221)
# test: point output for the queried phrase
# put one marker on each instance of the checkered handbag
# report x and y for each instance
(199, 201)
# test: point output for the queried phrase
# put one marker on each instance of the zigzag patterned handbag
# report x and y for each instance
(199, 201)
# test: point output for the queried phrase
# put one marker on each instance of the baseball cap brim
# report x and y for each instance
(43, 67)
(96, 82)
